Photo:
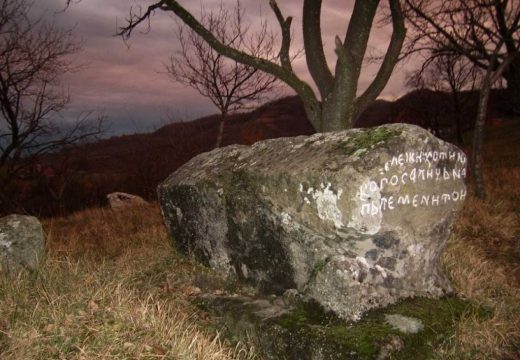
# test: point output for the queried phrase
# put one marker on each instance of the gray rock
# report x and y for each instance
(120, 200)
(405, 324)
(353, 220)
(21, 242)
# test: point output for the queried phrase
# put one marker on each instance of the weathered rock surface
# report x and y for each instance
(21, 242)
(353, 220)
(119, 200)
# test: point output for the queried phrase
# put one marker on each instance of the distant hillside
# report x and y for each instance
(81, 177)
(432, 110)
(174, 144)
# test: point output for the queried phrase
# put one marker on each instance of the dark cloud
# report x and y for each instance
(127, 81)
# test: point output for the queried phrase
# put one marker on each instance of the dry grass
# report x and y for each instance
(483, 255)
(111, 286)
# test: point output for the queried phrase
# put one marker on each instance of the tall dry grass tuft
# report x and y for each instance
(490, 284)
(111, 287)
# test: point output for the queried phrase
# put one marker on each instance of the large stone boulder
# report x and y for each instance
(353, 220)
(21, 242)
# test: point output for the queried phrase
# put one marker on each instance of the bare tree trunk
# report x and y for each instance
(220, 133)
(492, 75)
(478, 138)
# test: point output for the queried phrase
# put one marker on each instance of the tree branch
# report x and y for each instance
(285, 25)
(302, 88)
(314, 54)
(440, 30)
(391, 58)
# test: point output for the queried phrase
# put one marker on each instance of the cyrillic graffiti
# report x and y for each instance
(414, 200)
(415, 167)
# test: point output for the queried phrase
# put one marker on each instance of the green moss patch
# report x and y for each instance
(307, 332)
(367, 139)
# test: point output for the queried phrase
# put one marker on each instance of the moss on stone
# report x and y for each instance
(307, 332)
(369, 138)
(366, 337)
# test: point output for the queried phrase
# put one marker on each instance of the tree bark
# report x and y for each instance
(478, 139)
(220, 133)
(314, 53)
(339, 107)
(478, 134)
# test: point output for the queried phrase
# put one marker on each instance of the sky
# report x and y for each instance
(126, 81)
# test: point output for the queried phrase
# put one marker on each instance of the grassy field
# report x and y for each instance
(111, 286)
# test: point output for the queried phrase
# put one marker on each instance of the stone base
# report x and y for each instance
(281, 328)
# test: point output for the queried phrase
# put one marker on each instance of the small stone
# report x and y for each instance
(120, 200)
(405, 324)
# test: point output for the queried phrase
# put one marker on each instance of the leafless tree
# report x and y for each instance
(230, 85)
(33, 54)
(338, 104)
(482, 31)
(447, 73)
(491, 76)
(487, 33)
